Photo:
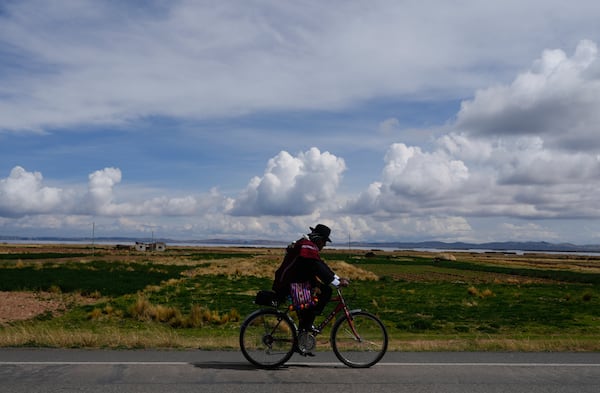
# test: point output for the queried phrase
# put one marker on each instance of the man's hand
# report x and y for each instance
(344, 282)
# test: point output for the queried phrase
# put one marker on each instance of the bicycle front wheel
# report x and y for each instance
(267, 338)
(359, 341)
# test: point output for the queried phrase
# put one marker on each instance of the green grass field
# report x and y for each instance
(197, 297)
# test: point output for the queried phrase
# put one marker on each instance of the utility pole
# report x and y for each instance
(93, 238)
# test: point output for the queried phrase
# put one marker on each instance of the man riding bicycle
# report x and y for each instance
(303, 264)
(269, 336)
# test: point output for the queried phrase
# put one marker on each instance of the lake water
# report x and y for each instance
(249, 245)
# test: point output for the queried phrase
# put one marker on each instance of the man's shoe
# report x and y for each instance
(306, 343)
(305, 353)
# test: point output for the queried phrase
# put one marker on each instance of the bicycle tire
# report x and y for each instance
(361, 353)
(268, 338)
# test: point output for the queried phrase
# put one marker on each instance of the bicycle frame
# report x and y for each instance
(269, 336)
(340, 306)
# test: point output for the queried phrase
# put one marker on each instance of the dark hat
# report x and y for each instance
(322, 231)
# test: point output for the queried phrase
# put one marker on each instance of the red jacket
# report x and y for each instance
(301, 263)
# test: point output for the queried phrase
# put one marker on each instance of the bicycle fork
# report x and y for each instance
(342, 306)
(352, 327)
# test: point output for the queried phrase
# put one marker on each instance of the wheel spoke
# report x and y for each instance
(267, 338)
(365, 349)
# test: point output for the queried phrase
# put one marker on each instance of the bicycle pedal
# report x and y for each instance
(306, 341)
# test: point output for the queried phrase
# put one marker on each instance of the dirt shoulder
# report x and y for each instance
(16, 306)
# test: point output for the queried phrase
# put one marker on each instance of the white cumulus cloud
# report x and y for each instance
(101, 198)
(292, 185)
(90, 62)
(413, 180)
(410, 171)
(23, 192)
(513, 177)
(100, 188)
(557, 99)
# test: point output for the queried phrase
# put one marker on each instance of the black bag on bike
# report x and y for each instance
(266, 298)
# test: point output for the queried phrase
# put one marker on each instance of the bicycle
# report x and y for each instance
(269, 336)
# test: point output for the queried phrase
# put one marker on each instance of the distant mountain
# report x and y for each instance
(495, 246)
(435, 245)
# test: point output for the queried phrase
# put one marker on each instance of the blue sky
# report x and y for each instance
(386, 120)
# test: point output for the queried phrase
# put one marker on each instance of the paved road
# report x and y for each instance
(90, 371)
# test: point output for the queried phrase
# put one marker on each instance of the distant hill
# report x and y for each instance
(436, 245)
(495, 246)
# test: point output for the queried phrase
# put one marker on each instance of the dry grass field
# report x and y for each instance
(23, 305)
(216, 285)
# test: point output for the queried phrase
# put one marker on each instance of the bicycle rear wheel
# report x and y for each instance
(267, 338)
(360, 341)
